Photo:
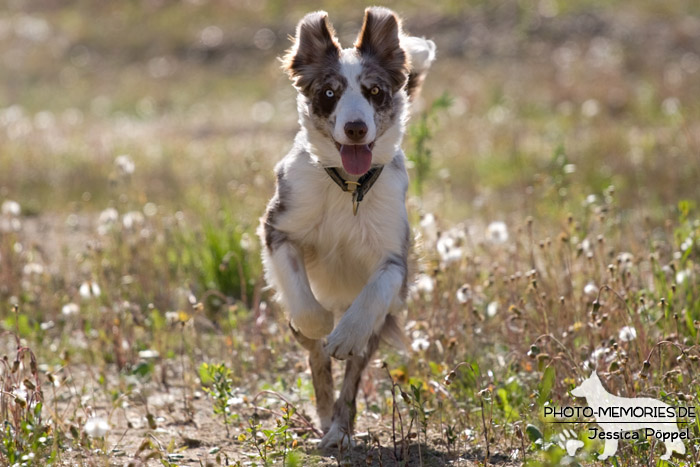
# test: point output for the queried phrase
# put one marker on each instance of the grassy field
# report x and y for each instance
(555, 155)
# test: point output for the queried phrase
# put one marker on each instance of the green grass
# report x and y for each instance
(579, 132)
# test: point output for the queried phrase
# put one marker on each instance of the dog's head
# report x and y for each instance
(588, 387)
(351, 101)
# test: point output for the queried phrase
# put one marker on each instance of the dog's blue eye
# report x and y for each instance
(329, 93)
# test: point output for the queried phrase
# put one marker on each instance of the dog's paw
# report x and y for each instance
(346, 341)
(314, 324)
(336, 438)
(569, 441)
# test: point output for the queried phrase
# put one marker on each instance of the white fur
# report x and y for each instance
(339, 252)
(421, 51)
(352, 105)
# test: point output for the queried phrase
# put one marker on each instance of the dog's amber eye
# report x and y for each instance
(329, 93)
(374, 91)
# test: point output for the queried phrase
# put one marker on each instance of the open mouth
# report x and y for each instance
(356, 158)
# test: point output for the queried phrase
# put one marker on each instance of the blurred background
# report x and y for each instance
(192, 91)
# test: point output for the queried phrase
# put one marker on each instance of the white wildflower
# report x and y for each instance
(492, 309)
(590, 289)
(20, 392)
(132, 219)
(429, 228)
(590, 108)
(420, 343)
(586, 245)
(497, 232)
(424, 283)
(33, 268)
(687, 243)
(107, 219)
(682, 276)
(11, 208)
(448, 249)
(235, 401)
(625, 260)
(89, 289)
(70, 309)
(108, 216)
(172, 317)
(464, 294)
(150, 209)
(124, 164)
(628, 333)
(569, 168)
(148, 354)
(246, 243)
(96, 427)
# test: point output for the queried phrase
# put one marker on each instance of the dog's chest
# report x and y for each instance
(342, 250)
(348, 241)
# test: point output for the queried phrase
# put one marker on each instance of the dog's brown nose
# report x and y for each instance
(356, 130)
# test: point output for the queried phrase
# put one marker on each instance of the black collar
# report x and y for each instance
(359, 188)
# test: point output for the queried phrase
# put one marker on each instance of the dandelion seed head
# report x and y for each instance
(30, 269)
(464, 294)
(682, 276)
(627, 334)
(497, 232)
(107, 220)
(448, 250)
(96, 427)
(150, 209)
(70, 309)
(420, 341)
(11, 208)
(424, 283)
(124, 164)
(89, 290)
(590, 289)
(492, 309)
(235, 401)
(132, 219)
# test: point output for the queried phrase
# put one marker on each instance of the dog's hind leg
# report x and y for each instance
(322, 376)
(609, 449)
(345, 409)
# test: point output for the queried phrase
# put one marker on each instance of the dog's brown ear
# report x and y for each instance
(315, 48)
(380, 38)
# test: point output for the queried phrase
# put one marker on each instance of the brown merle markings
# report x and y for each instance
(379, 40)
(315, 51)
(345, 408)
(413, 85)
(321, 376)
(321, 104)
(386, 118)
(274, 237)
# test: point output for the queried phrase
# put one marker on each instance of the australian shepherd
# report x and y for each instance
(336, 235)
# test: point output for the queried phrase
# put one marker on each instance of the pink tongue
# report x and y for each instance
(356, 158)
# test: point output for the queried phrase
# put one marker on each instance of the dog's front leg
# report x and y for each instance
(367, 313)
(285, 264)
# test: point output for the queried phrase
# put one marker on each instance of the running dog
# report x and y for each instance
(336, 234)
